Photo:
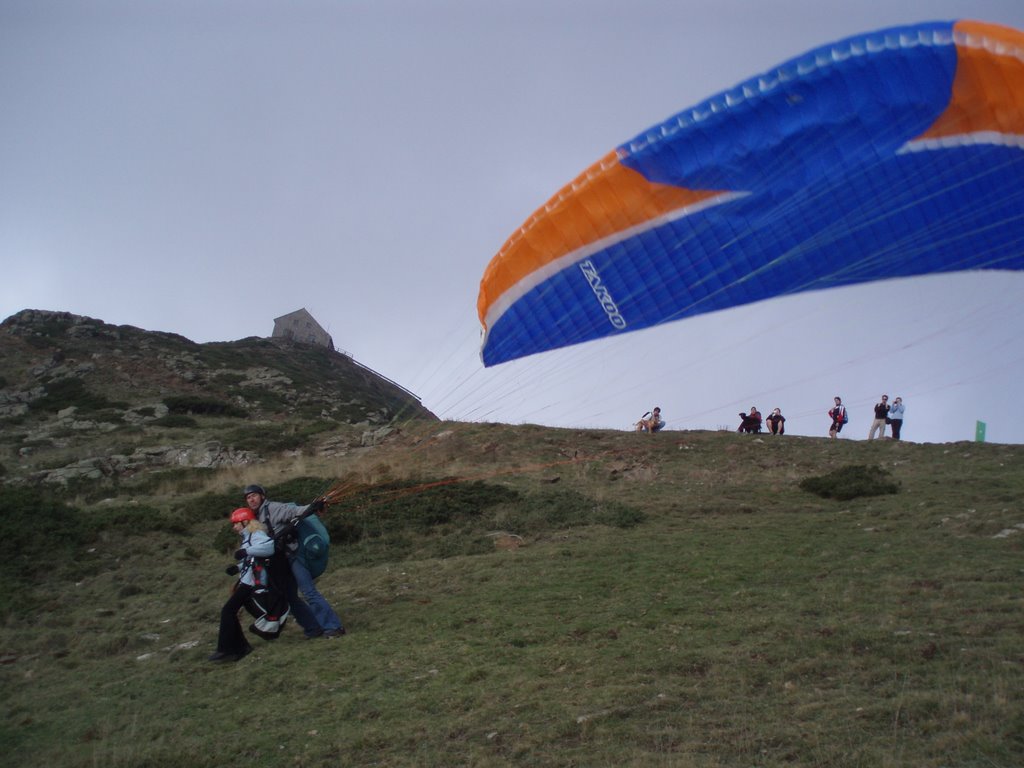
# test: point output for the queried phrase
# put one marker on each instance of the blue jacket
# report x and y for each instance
(896, 411)
(256, 544)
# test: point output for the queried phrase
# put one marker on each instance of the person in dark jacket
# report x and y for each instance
(314, 614)
(776, 422)
(881, 414)
(838, 415)
(750, 422)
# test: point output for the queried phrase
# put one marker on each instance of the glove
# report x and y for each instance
(316, 507)
(240, 554)
(231, 570)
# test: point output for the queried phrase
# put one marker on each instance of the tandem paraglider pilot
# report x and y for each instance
(314, 614)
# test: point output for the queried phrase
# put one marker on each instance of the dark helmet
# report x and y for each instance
(255, 489)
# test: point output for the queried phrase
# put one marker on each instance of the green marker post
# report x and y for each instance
(979, 431)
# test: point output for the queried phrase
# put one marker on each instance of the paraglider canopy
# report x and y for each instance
(889, 154)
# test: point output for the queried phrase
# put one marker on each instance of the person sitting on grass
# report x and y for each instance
(651, 422)
(751, 422)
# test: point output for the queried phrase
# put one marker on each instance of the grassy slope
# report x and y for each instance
(743, 622)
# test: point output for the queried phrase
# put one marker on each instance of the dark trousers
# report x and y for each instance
(231, 639)
(281, 572)
(897, 425)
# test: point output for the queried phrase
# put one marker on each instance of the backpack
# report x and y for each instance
(846, 418)
(314, 544)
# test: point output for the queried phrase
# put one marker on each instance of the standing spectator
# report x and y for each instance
(881, 414)
(776, 422)
(838, 415)
(896, 417)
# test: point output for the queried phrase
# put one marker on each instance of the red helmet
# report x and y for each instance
(242, 515)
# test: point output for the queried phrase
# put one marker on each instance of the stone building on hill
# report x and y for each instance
(300, 326)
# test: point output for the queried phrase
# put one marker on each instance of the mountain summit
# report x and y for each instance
(83, 399)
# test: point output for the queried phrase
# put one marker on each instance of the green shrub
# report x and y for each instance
(564, 509)
(226, 539)
(176, 420)
(265, 398)
(182, 479)
(462, 545)
(207, 508)
(92, 490)
(264, 439)
(65, 393)
(202, 406)
(851, 482)
(300, 490)
(126, 518)
(619, 515)
(39, 534)
(417, 507)
(444, 518)
(341, 529)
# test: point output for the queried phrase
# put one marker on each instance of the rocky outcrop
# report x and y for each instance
(75, 391)
(209, 455)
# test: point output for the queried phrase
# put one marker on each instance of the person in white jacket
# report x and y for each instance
(256, 546)
(896, 417)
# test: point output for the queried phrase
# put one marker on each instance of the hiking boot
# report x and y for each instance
(334, 632)
(315, 635)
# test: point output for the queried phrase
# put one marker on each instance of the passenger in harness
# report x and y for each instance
(255, 590)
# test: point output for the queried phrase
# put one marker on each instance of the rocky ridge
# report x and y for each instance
(85, 401)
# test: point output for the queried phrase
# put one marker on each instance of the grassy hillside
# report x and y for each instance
(538, 597)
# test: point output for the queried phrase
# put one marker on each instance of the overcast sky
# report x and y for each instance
(204, 166)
